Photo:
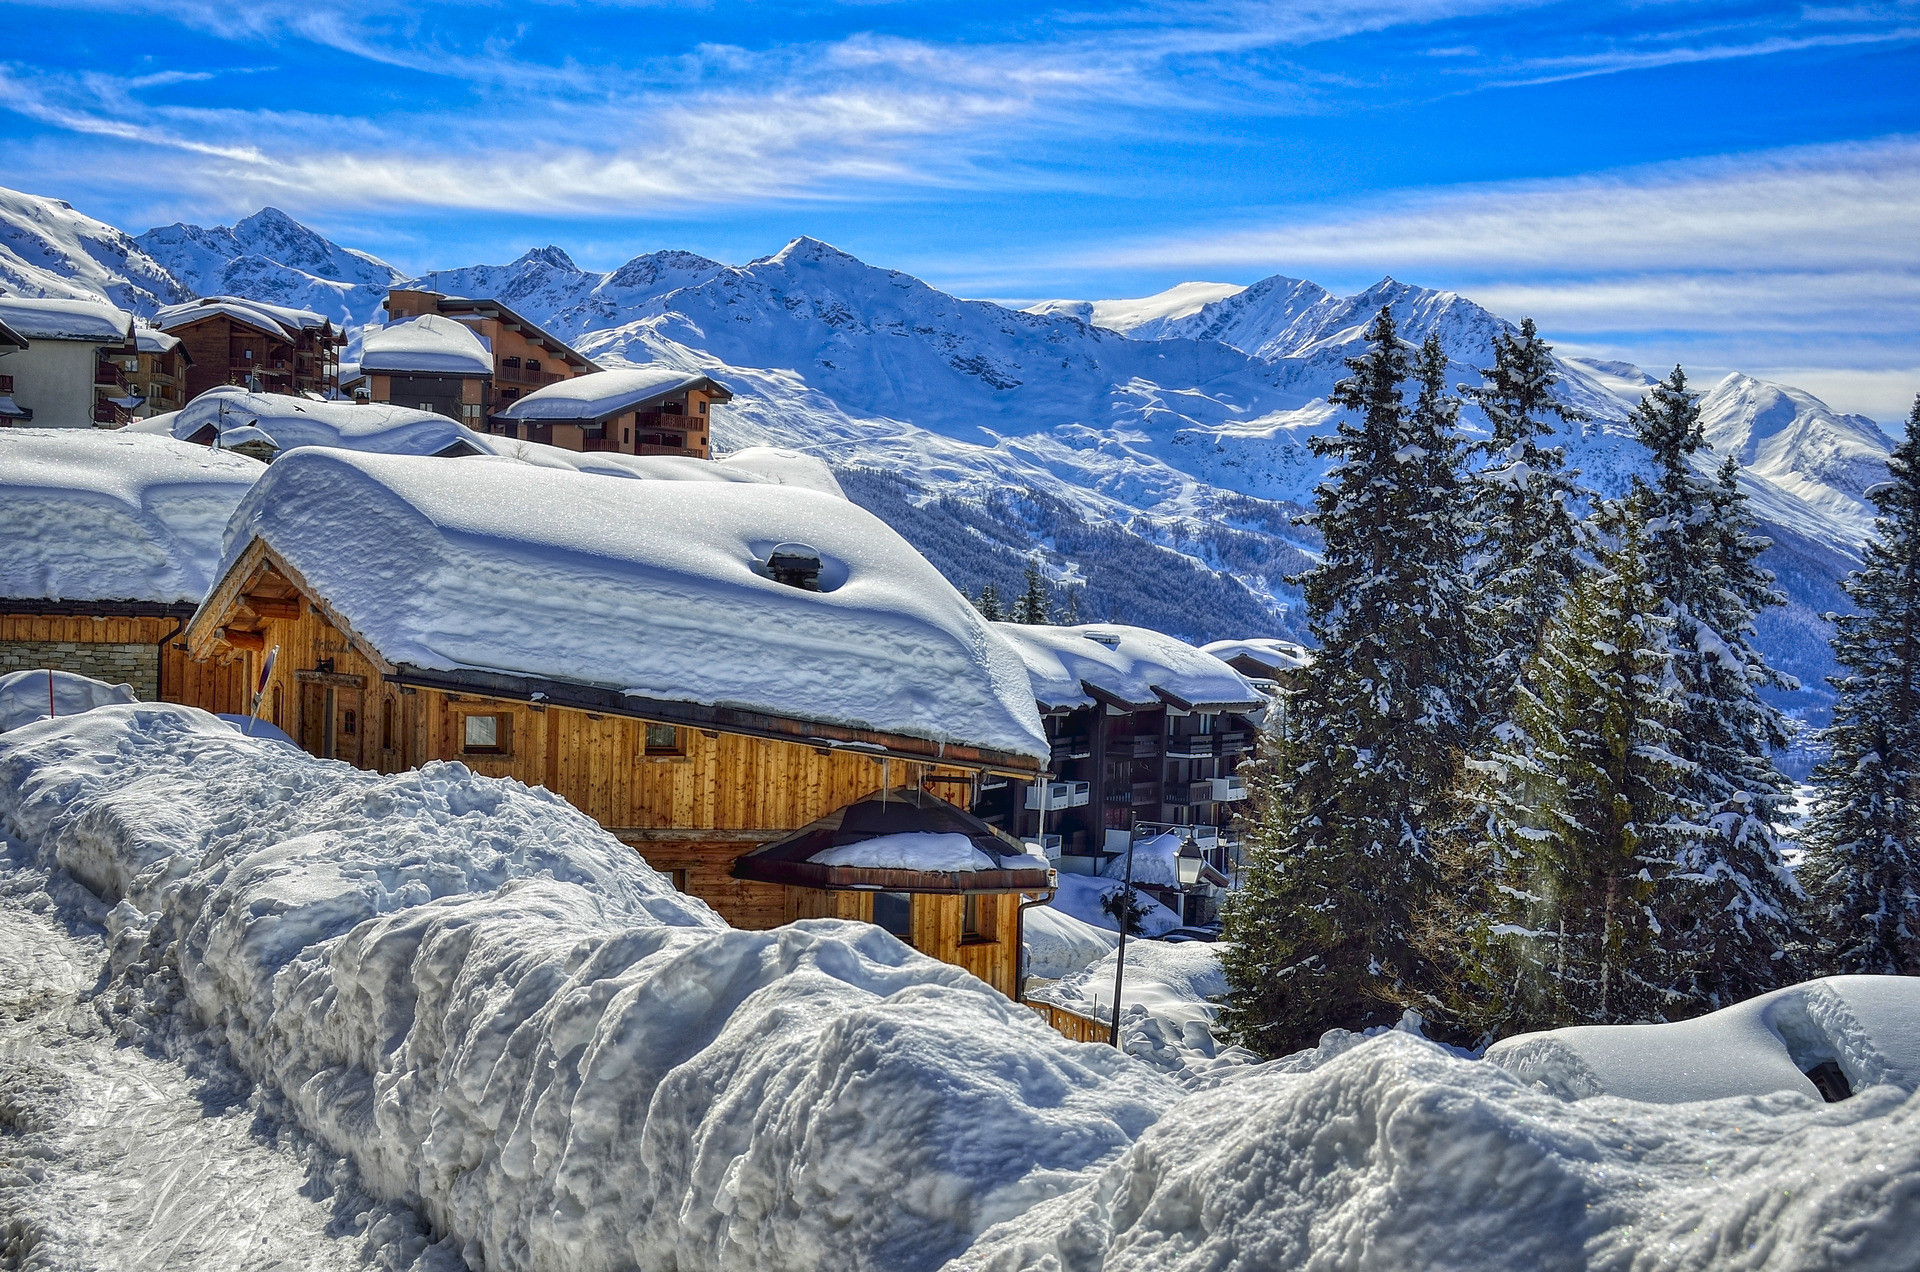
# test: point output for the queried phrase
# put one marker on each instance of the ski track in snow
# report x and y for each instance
(114, 1157)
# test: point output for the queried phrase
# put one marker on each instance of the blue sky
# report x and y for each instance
(1732, 185)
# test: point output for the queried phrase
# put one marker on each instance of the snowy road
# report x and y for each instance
(111, 1157)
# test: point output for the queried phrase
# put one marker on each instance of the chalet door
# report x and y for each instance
(332, 722)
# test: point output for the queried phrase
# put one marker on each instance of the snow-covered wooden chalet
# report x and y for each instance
(268, 348)
(702, 666)
(523, 356)
(650, 410)
(1145, 736)
(111, 540)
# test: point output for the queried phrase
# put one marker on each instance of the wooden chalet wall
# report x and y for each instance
(115, 648)
(689, 814)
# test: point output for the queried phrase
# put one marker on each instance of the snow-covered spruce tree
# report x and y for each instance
(1526, 502)
(989, 604)
(1862, 866)
(1341, 828)
(1033, 605)
(1543, 917)
(1727, 907)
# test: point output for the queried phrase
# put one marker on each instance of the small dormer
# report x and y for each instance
(795, 565)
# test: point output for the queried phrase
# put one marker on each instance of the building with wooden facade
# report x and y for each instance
(524, 357)
(159, 371)
(650, 410)
(267, 348)
(63, 363)
(222, 416)
(702, 667)
(111, 539)
(429, 363)
(1146, 734)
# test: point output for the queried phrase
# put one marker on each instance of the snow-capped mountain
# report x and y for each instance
(49, 250)
(1156, 468)
(272, 257)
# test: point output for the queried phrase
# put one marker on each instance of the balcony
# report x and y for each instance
(108, 415)
(1146, 793)
(600, 444)
(6, 386)
(1237, 741)
(1207, 838)
(1227, 789)
(1196, 746)
(1146, 746)
(1074, 748)
(652, 448)
(110, 375)
(1049, 796)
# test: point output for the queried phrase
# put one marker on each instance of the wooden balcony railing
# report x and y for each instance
(109, 373)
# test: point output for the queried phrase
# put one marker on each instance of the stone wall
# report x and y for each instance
(136, 665)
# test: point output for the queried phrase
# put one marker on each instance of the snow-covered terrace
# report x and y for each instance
(113, 516)
(1130, 668)
(507, 578)
(600, 395)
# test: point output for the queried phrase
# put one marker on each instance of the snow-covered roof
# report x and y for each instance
(599, 394)
(1272, 655)
(771, 465)
(1125, 665)
(428, 343)
(93, 320)
(299, 421)
(648, 588)
(279, 320)
(153, 340)
(1868, 1025)
(113, 516)
(913, 850)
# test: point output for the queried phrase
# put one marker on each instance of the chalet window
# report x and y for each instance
(386, 725)
(977, 917)
(663, 739)
(533, 366)
(626, 436)
(279, 717)
(679, 878)
(485, 734)
(510, 363)
(703, 408)
(894, 912)
(349, 722)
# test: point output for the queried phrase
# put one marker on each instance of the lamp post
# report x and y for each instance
(1187, 868)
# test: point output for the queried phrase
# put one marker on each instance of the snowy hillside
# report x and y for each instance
(272, 257)
(1157, 470)
(48, 249)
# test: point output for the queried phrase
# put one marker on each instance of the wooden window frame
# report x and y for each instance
(979, 919)
(502, 734)
(646, 740)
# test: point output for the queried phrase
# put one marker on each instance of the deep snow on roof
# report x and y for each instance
(429, 342)
(153, 340)
(37, 319)
(601, 393)
(1268, 652)
(298, 421)
(772, 465)
(647, 587)
(1131, 664)
(113, 516)
(280, 320)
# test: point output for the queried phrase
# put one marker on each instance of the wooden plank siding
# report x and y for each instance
(689, 815)
(219, 687)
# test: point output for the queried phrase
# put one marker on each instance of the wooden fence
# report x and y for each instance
(1071, 1025)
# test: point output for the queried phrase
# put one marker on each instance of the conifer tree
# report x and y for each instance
(1863, 841)
(1033, 605)
(1726, 907)
(1341, 831)
(1544, 920)
(1526, 500)
(989, 604)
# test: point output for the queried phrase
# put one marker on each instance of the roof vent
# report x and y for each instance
(796, 565)
(1110, 639)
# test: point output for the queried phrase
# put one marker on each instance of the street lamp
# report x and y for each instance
(1190, 862)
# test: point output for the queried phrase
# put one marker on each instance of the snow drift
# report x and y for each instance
(26, 696)
(113, 516)
(502, 1016)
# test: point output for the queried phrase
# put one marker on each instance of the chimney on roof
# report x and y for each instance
(796, 565)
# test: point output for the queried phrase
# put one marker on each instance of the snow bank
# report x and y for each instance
(429, 343)
(649, 587)
(1390, 1152)
(1058, 945)
(112, 516)
(1868, 1025)
(1079, 895)
(498, 1012)
(914, 850)
(766, 465)
(1168, 1004)
(599, 394)
(24, 697)
(377, 427)
(1132, 664)
(65, 319)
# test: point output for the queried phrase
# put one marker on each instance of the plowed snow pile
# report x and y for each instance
(506, 1021)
